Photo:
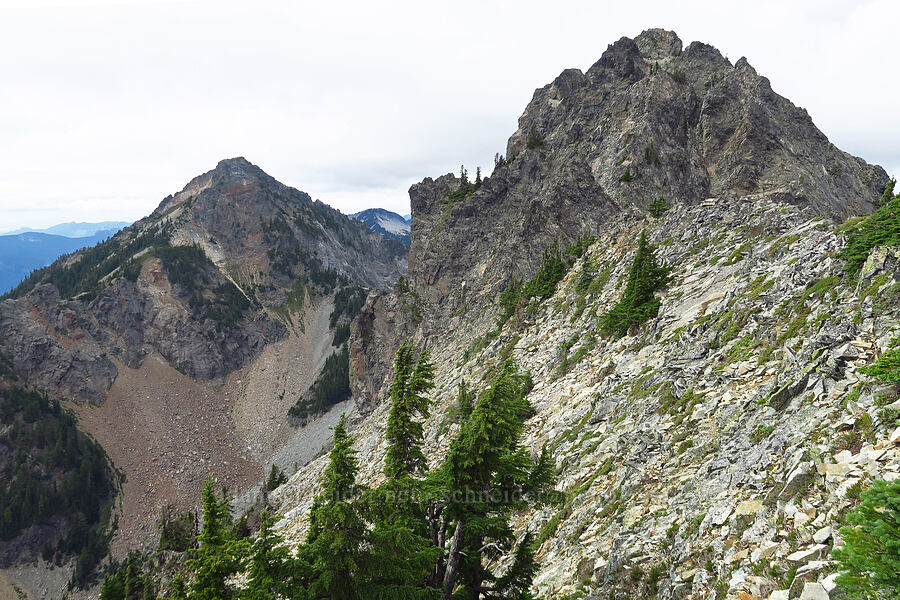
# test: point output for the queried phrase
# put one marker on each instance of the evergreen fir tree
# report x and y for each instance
(178, 590)
(276, 478)
(339, 531)
(888, 194)
(492, 475)
(638, 303)
(465, 400)
(412, 379)
(401, 555)
(658, 207)
(870, 557)
(149, 590)
(218, 557)
(272, 571)
(515, 584)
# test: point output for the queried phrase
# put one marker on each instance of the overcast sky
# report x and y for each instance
(108, 106)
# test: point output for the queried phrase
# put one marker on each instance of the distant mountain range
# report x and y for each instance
(22, 253)
(386, 223)
(73, 229)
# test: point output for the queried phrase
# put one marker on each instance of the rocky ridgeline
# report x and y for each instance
(716, 451)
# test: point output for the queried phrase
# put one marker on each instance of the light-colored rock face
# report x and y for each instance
(718, 447)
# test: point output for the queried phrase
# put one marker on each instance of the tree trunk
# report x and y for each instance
(453, 561)
(477, 580)
(438, 529)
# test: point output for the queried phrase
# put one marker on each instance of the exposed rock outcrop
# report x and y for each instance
(646, 120)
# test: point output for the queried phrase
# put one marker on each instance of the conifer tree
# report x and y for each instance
(515, 584)
(401, 555)
(412, 379)
(336, 546)
(638, 303)
(491, 475)
(149, 590)
(218, 557)
(276, 478)
(888, 191)
(465, 400)
(272, 571)
(178, 590)
(870, 557)
(658, 207)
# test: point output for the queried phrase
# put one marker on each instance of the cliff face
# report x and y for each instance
(647, 120)
(716, 450)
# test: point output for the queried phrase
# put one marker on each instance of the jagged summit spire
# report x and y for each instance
(658, 44)
(650, 118)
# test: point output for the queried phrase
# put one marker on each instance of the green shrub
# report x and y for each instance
(177, 531)
(276, 478)
(627, 176)
(869, 560)
(638, 303)
(331, 387)
(887, 367)
(534, 139)
(881, 228)
(658, 207)
(761, 433)
(553, 268)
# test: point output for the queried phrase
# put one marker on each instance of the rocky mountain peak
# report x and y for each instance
(657, 44)
(217, 272)
(647, 120)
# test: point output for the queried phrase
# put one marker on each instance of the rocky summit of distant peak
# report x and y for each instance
(385, 222)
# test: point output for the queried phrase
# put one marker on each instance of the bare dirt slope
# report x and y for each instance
(166, 432)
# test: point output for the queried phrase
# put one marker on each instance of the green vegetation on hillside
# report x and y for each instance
(83, 276)
(331, 387)
(638, 302)
(189, 268)
(881, 228)
(887, 367)
(869, 560)
(466, 188)
(554, 266)
(52, 470)
(658, 207)
(419, 535)
(348, 301)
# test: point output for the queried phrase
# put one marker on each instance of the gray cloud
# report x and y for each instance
(108, 106)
